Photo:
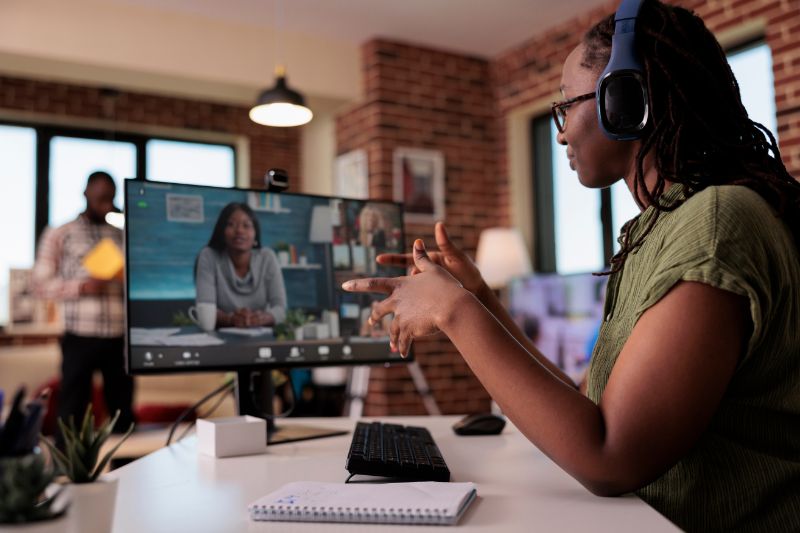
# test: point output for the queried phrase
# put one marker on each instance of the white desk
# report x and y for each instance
(519, 489)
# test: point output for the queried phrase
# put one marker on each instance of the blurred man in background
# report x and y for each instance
(93, 308)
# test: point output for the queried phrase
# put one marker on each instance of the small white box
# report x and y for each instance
(228, 437)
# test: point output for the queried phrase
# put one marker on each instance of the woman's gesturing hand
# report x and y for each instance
(449, 256)
(420, 303)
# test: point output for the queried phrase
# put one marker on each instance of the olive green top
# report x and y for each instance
(743, 474)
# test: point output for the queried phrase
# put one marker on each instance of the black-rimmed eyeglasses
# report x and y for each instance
(559, 109)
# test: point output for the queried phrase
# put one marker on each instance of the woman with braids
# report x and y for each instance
(693, 393)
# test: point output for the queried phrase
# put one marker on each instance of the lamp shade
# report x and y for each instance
(321, 227)
(116, 219)
(502, 256)
(280, 106)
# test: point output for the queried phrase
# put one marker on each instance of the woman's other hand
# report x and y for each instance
(449, 256)
(420, 303)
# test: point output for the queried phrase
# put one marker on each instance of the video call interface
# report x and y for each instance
(227, 278)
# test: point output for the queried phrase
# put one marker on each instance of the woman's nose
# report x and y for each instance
(561, 139)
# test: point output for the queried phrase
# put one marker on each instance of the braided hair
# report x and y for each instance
(699, 133)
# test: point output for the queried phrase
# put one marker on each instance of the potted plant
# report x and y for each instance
(282, 251)
(25, 500)
(92, 497)
(292, 326)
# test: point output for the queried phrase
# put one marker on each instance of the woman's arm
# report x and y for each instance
(662, 393)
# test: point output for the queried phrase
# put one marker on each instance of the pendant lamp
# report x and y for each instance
(280, 106)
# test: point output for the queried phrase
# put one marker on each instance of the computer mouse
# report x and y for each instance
(480, 424)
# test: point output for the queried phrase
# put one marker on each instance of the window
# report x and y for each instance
(191, 163)
(72, 159)
(577, 228)
(45, 169)
(752, 66)
(17, 204)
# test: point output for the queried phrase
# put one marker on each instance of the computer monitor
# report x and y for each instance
(247, 280)
(561, 314)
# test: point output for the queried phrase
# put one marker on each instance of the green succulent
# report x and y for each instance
(180, 318)
(23, 481)
(79, 462)
(294, 319)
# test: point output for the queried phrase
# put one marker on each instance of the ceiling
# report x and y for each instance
(478, 27)
(225, 50)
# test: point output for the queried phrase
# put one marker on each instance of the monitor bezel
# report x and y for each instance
(249, 367)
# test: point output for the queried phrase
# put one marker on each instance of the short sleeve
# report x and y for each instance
(716, 242)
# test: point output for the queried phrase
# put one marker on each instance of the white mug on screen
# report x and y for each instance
(204, 315)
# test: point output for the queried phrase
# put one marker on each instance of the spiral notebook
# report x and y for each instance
(389, 503)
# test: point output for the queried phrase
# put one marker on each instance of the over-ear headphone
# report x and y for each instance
(623, 107)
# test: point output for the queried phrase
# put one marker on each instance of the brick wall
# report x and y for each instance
(418, 97)
(269, 147)
(421, 98)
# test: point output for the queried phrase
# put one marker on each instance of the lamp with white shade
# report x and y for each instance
(502, 256)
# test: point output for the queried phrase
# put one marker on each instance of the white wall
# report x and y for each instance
(134, 47)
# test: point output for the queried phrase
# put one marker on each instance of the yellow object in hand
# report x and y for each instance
(105, 260)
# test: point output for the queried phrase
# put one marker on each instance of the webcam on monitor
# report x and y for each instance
(276, 180)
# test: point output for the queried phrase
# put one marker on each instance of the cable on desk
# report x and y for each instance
(207, 414)
(228, 385)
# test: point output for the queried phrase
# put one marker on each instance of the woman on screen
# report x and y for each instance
(693, 392)
(237, 274)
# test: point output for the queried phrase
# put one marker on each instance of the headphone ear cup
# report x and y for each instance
(623, 105)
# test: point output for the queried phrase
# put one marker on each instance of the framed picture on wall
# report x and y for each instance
(419, 183)
(351, 175)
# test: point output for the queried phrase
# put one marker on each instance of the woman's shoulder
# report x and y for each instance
(265, 258)
(735, 218)
(731, 199)
(208, 255)
(725, 208)
(265, 252)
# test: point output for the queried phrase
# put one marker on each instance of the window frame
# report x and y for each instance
(541, 138)
(45, 134)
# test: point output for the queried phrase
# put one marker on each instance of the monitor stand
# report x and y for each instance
(254, 394)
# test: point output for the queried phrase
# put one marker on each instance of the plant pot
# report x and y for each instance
(91, 507)
(58, 525)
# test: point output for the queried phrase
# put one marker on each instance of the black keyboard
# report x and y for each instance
(391, 450)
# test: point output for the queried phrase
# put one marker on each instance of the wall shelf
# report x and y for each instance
(309, 266)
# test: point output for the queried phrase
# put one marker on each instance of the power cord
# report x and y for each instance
(207, 414)
(228, 385)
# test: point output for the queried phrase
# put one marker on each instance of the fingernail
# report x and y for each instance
(347, 285)
(419, 245)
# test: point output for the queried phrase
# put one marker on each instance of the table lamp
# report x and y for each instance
(502, 256)
(321, 232)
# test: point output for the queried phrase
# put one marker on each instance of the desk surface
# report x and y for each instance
(519, 488)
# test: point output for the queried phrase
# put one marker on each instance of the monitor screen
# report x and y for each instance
(561, 314)
(230, 278)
